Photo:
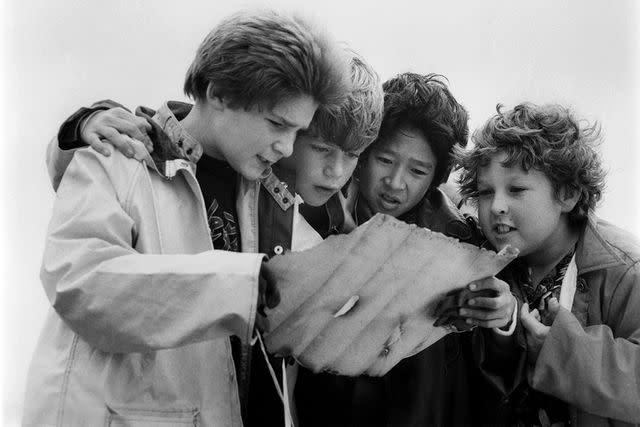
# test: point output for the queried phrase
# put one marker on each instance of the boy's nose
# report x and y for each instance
(284, 145)
(335, 167)
(394, 180)
(499, 205)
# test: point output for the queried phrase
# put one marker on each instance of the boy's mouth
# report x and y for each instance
(501, 229)
(389, 202)
(264, 161)
(323, 189)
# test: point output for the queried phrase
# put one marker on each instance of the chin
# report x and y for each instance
(315, 201)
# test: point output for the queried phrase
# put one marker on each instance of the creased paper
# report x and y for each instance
(360, 303)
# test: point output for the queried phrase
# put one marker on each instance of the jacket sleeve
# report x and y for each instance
(61, 148)
(120, 300)
(597, 368)
(501, 360)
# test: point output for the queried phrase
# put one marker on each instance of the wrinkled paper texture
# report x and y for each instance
(362, 302)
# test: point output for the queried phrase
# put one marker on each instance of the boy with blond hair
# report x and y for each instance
(536, 177)
(139, 263)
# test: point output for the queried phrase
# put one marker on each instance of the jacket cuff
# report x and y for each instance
(512, 326)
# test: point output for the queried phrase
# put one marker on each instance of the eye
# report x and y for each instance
(383, 160)
(320, 148)
(419, 172)
(483, 192)
(275, 123)
(352, 156)
(516, 189)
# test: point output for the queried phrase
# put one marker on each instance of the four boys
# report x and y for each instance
(244, 130)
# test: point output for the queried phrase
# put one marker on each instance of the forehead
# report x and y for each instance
(409, 144)
(295, 111)
(495, 167)
(311, 139)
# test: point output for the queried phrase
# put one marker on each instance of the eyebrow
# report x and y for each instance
(389, 151)
(286, 122)
(423, 164)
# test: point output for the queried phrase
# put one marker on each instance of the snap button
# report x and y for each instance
(278, 250)
(285, 200)
(582, 285)
(276, 190)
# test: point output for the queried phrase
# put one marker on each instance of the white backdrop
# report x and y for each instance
(59, 55)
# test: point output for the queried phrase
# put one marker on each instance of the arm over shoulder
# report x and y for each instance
(61, 148)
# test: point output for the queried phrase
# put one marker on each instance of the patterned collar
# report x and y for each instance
(549, 286)
(185, 143)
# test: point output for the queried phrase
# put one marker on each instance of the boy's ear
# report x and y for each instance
(215, 101)
(569, 198)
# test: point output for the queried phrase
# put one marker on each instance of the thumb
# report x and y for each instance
(553, 306)
(527, 318)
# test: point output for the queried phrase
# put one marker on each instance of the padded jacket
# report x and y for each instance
(142, 306)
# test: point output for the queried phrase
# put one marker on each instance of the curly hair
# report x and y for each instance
(263, 57)
(547, 138)
(355, 123)
(424, 103)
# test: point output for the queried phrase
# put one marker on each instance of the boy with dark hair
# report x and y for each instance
(536, 178)
(139, 263)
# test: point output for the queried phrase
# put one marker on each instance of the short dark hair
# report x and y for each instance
(547, 138)
(263, 57)
(355, 123)
(424, 103)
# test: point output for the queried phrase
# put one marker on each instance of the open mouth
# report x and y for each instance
(264, 161)
(389, 202)
(502, 229)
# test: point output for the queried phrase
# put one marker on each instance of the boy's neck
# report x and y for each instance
(198, 124)
(545, 260)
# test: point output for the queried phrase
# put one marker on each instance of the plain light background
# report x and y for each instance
(59, 55)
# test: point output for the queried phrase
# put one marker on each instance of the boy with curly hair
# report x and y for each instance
(536, 178)
(141, 263)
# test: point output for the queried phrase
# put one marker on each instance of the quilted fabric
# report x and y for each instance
(360, 303)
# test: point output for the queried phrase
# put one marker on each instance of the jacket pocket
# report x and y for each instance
(134, 417)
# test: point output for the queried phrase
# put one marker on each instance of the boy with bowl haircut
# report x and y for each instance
(143, 303)
(536, 177)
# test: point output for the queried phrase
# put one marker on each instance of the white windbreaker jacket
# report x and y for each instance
(142, 306)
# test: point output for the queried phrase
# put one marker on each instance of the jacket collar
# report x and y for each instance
(187, 146)
(593, 251)
(173, 148)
